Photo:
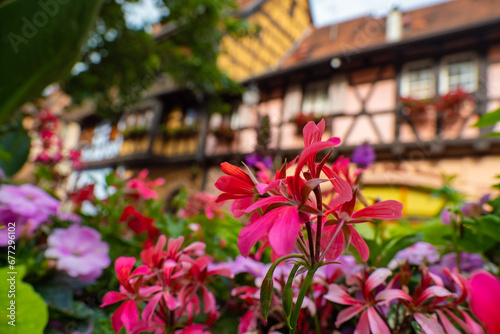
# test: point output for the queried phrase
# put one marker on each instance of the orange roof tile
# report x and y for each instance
(367, 31)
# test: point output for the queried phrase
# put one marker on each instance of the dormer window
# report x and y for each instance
(418, 80)
(458, 71)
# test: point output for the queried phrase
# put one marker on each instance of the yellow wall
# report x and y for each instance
(249, 56)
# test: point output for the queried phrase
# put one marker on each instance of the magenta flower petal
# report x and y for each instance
(285, 231)
(113, 297)
(338, 295)
(359, 243)
(447, 325)
(348, 313)
(377, 325)
(130, 315)
(376, 278)
(363, 326)
(383, 210)
(266, 201)
(428, 324)
(253, 232)
(485, 300)
(388, 295)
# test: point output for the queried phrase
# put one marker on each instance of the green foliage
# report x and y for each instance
(39, 45)
(15, 143)
(488, 119)
(130, 59)
(30, 309)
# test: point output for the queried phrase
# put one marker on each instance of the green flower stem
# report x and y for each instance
(454, 226)
(316, 319)
(310, 239)
(300, 299)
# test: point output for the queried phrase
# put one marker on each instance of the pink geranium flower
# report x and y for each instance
(370, 319)
(485, 299)
(143, 187)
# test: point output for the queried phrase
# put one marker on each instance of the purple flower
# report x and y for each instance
(79, 252)
(417, 254)
(69, 217)
(363, 155)
(468, 261)
(28, 206)
(243, 265)
(474, 209)
(252, 159)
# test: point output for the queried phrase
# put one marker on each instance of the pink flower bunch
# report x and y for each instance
(141, 187)
(287, 207)
(51, 143)
(170, 289)
(436, 308)
(201, 203)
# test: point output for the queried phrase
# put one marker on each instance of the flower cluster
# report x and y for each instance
(79, 252)
(290, 213)
(413, 107)
(451, 102)
(201, 203)
(284, 206)
(432, 304)
(141, 188)
(170, 288)
(363, 156)
(51, 143)
(26, 205)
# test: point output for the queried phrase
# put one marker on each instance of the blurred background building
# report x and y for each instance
(372, 78)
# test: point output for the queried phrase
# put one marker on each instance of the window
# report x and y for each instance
(417, 80)
(316, 98)
(458, 71)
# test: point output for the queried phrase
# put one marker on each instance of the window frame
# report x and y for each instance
(404, 89)
(444, 86)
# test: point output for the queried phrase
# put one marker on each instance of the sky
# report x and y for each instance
(324, 12)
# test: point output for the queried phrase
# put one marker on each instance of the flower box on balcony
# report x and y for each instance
(414, 108)
(302, 119)
(224, 134)
(449, 105)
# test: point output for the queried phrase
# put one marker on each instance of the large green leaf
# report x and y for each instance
(40, 43)
(488, 119)
(16, 142)
(31, 314)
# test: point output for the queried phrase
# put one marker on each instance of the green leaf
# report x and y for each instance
(16, 142)
(490, 225)
(493, 135)
(300, 298)
(488, 119)
(40, 43)
(31, 313)
(395, 245)
(287, 298)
